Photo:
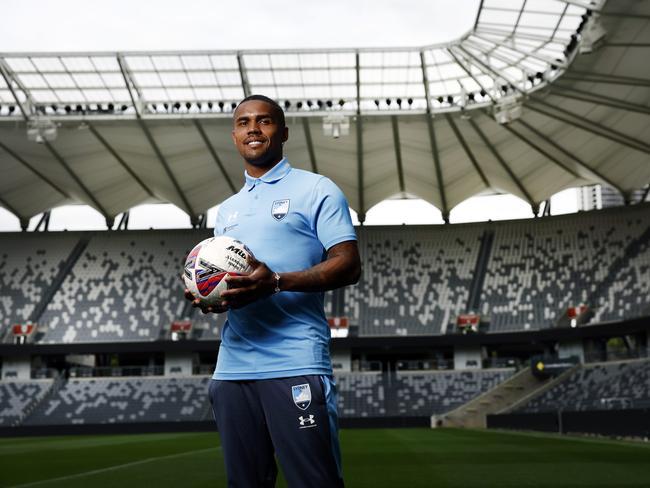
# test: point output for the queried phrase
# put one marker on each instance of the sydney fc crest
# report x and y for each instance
(280, 209)
(301, 396)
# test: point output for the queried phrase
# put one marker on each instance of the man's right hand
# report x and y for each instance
(196, 303)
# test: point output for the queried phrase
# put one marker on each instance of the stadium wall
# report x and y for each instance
(199, 426)
(624, 423)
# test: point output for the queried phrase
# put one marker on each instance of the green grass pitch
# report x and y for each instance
(374, 458)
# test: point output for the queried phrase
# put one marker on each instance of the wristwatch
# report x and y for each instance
(277, 282)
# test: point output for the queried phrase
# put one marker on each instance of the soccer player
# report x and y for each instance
(272, 391)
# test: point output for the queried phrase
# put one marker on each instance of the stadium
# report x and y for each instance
(489, 353)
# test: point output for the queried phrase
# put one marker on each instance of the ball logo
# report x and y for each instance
(280, 209)
(208, 277)
(237, 251)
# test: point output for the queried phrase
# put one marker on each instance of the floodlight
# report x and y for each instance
(593, 35)
(299, 105)
(508, 109)
(336, 125)
(41, 130)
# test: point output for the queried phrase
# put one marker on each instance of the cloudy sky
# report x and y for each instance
(145, 25)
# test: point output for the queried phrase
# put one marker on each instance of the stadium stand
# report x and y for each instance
(539, 268)
(102, 400)
(18, 397)
(361, 394)
(123, 400)
(126, 286)
(29, 262)
(598, 386)
(627, 292)
(438, 392)
(415, 281)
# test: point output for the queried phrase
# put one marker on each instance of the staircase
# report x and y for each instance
(502, 397)
(57, 384)
(47, 296)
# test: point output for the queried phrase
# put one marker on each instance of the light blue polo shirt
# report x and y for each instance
(288, 218)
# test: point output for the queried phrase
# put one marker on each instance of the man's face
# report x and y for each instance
(258, 133)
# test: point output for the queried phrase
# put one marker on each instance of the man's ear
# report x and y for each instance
(285, 134)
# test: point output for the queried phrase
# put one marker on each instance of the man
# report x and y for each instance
(272, 391)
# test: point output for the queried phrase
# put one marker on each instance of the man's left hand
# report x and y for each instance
(243, 290)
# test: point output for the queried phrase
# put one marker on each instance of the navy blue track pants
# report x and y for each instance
(294, 418)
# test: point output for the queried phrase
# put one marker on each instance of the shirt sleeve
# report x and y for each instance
(332, 219)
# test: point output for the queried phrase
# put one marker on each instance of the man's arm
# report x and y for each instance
(341, 267)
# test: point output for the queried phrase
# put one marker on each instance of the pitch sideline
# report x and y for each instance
(112, 468)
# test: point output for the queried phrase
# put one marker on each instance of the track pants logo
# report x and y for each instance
(306, 422)
(301, 396)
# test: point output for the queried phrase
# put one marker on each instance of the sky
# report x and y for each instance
(145, 25)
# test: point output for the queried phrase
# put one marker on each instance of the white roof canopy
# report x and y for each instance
(119, 129)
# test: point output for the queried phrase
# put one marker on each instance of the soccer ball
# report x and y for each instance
(210, 262)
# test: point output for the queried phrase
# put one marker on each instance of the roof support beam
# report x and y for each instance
(584, 96)
(569, 154)
(10, 80)
(242, 75)
(494, 72)
(136, 99)
(590, 126)
(645, 193)
(119, 159)
(506, 33)
(627, 44)
(468, 70)
(310, 144)
(214, 155)
(362, 208)
(14, 211)
(398, 153)
(433, 142)
(544, 153)
(468, 151)
(28, 116)
(534, 206)
(589, 5)
(610, 81)
(49, 182)
(478, 14)
(532, 54)
(77, 180)
(591, 77)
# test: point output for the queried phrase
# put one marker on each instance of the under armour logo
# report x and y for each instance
(306, 422)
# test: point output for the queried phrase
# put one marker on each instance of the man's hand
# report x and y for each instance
(246, 289)
(196, 303)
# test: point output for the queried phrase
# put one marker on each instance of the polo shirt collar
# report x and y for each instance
(276, 173)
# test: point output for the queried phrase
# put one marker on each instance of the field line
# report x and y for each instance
(113, 468)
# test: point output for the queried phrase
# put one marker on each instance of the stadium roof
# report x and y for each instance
(541, 95)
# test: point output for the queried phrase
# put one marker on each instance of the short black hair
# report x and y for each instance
(270, 101)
